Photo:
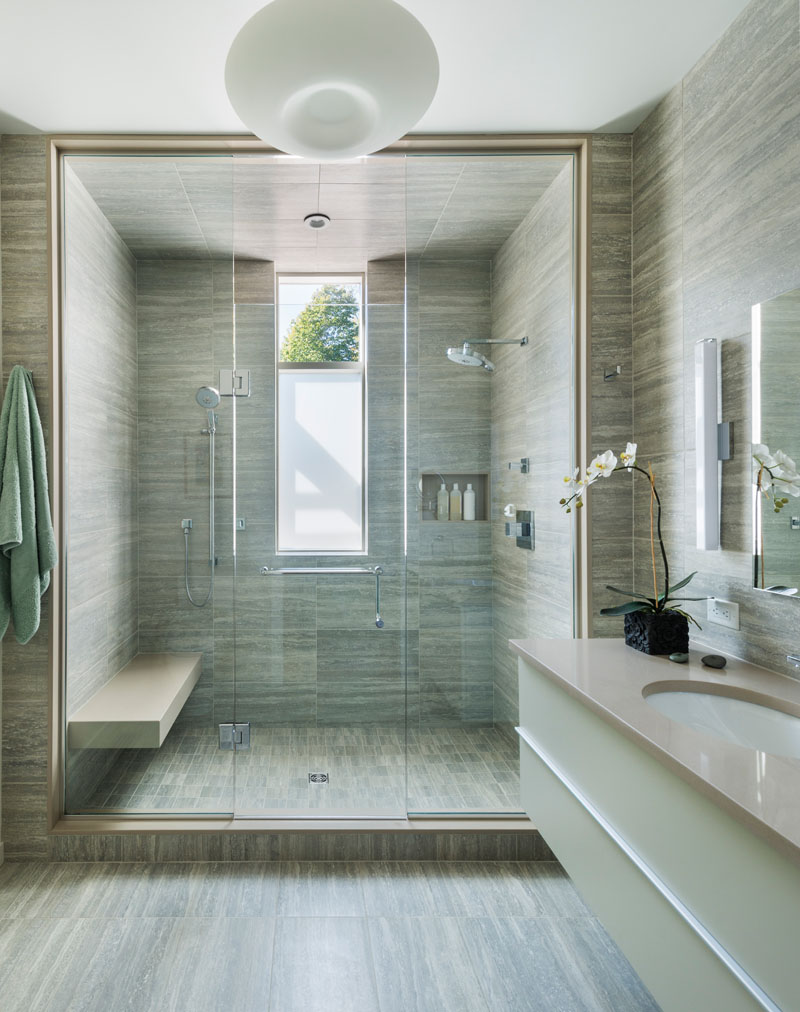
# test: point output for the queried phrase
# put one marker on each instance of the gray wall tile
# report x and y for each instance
(716, 227)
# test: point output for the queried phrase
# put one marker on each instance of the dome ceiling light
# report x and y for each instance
(331, 79)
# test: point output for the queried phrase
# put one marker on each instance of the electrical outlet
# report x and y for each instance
(723, 612)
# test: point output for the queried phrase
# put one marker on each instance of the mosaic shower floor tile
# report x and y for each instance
(369, 771)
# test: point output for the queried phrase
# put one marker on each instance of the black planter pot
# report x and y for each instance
(663, 633)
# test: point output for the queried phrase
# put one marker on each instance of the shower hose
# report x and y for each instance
(212, 562)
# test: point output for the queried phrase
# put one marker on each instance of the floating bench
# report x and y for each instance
(138, 706)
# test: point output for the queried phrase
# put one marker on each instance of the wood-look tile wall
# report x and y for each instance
(531, 412)
(23, 229)
(450, 562)
(716, 228)
(185, 320)
(611, 400)
(101, 441)
(100, 360)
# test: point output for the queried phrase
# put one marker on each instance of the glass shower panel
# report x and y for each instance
(320, 669)
(148, 324)
(490, 246)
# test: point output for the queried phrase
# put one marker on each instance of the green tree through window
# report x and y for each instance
(326, 330)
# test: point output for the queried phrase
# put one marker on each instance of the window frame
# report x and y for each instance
(359, 366)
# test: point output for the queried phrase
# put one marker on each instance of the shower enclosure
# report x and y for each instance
(266, 613)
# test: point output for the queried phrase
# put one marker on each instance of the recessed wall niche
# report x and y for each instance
(431, 483)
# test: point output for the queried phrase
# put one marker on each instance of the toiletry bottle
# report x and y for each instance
(455, 502)
(443, 504)
(469, 503)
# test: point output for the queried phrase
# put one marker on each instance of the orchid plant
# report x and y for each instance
(603, 466)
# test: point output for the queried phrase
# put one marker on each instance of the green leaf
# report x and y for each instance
(685, 599)
(630, 593)
(683, 584)
(627, 609)
(686, 614)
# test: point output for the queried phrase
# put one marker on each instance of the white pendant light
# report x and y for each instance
(331, 79)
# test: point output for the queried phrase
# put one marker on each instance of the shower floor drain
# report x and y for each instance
(318, 778)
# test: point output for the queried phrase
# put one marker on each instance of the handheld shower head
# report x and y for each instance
(207, 397)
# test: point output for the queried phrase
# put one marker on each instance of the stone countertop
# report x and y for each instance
(760, 790)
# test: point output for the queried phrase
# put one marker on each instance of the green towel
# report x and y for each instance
(27, 542)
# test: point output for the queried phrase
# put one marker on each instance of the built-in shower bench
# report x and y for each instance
(138, 706)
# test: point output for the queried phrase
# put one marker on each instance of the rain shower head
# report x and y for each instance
(207, 397)
(466, 355)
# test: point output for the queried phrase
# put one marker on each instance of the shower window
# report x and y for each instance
(320, 417)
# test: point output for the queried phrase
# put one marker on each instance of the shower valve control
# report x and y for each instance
(522, 529)
(186, 525)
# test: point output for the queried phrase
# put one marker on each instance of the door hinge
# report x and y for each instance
(234, 737)
(234, 382)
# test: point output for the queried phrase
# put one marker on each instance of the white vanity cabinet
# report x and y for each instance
(683, 845)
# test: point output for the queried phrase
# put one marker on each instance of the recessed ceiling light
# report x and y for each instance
(317, 220)
(331, 79)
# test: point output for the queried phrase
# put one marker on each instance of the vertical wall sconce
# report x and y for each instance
(712, 444)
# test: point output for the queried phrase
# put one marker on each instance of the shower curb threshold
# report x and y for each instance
(70, 825)
(86, 839)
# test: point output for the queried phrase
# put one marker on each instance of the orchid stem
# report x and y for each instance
(652, 540)
(653, 496)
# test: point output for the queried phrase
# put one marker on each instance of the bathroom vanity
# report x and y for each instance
(686, 845)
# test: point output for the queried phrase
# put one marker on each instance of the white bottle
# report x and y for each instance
(443, 504)
(455, 502)
(469, 503)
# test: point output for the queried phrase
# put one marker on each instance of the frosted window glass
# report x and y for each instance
(320, 461)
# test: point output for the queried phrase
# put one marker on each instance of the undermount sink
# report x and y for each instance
(732, 714)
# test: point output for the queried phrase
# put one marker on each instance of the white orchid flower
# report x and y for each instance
(762, 455)
(775, 473)
(628, 456)
(784, 467)
(571, 480)
(601, 467)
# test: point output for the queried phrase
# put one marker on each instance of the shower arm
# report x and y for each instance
(511, 340)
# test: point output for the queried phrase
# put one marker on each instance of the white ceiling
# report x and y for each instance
(156, 66)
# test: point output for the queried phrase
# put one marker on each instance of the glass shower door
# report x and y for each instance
(320, 555)
(148, 325)
(490, 290)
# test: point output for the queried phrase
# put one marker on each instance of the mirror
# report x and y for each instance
(776, 444)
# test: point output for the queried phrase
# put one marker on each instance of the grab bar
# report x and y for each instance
(322, 571)
(376, 571)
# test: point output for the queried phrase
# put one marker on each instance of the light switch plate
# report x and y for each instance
(723, 612)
